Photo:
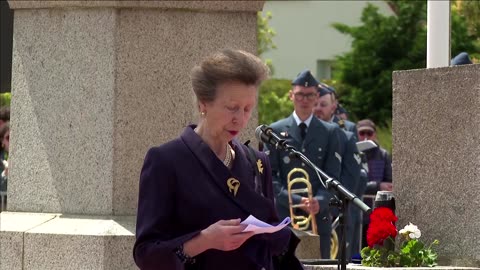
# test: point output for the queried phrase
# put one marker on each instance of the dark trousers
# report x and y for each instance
(325, 246)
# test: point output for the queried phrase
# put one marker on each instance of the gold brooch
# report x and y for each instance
(233, 185)
(260, 165)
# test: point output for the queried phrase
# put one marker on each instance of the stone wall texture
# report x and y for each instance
(94, 89)
(436, 157)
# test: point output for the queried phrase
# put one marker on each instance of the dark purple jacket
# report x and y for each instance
(379, 169)
(183, 190)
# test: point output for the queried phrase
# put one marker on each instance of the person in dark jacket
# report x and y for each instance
(350, 162)
(379, 161)
(379, 168)
(196, 189)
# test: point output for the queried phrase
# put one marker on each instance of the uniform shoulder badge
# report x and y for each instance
(260, 166)
(341, 123)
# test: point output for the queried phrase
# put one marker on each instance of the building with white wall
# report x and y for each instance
(305, 38)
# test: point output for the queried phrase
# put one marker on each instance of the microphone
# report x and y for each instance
(266, 134)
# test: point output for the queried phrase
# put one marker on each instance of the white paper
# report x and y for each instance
(366, 145)
(258, 226)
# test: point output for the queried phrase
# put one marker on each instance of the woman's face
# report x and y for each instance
(229, 113)
(6, 141)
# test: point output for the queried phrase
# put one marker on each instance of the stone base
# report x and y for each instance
(436, 158)
(54, 241)
(309, 247)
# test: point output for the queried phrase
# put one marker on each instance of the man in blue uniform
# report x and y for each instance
(341, 112)
(318, 141)
(332, 116)
(350, 170)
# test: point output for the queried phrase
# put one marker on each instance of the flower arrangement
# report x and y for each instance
(381, 235)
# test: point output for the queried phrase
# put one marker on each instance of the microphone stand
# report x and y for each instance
(335, 188)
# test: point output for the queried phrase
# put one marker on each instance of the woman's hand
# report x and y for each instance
(226, 235)
(223, 235)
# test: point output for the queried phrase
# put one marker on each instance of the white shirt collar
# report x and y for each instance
(332, 119)
(298, 121)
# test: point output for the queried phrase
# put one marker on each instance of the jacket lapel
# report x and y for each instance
(244, 196)
(312, 131)
(293, 130)
(247, 197)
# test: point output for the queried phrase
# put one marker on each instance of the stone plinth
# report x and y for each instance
(95, 85)
(12, 231)
(309, 246)
(55, 241)
(94, 88)
(234, 6)
(436, 158)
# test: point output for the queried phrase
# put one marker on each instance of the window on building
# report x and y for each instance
(324, 69)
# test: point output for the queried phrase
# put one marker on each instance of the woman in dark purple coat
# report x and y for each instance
(195, 190)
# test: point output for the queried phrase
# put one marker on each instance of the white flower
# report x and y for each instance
(411, 231)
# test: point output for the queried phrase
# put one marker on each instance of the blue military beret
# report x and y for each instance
(461, 59)
(340, 110)
(332, 89)
(305, 78)
(323, 89)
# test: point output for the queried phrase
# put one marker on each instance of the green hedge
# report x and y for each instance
(384, 136)
(5, 99)
(273, 101)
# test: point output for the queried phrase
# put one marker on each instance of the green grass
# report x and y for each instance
(384, 136)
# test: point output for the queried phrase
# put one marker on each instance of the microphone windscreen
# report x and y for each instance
(258, 132)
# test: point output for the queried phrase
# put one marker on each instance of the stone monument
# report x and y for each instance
(436, 158)
(95, 85)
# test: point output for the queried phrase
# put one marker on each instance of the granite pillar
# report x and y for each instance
(436, 158)
(95, 84)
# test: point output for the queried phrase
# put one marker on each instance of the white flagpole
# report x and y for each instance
(438, 33)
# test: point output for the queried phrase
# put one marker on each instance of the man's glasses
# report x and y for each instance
(300, 96)
(367, 133)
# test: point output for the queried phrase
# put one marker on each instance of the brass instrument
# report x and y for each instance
(300, 222)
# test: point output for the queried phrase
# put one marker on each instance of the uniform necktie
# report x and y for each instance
(303, 130)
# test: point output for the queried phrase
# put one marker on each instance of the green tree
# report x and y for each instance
(381, 45)
(273, 102)
(265, 36)
(5, 99)
(469, 11)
